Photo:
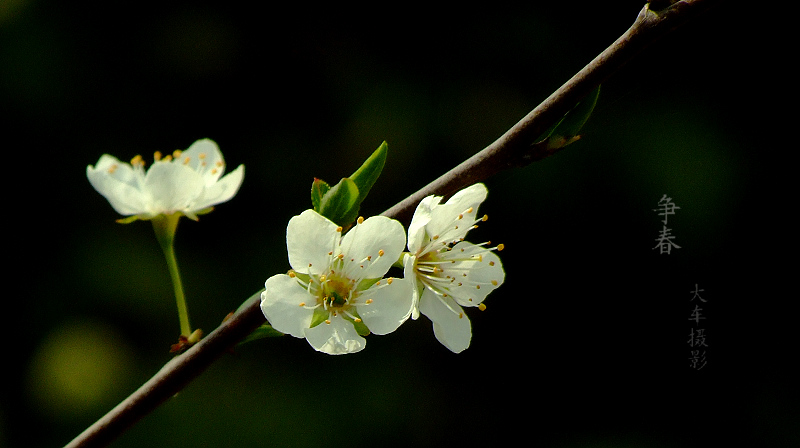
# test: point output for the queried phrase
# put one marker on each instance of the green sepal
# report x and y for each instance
(566, 130)
(340, 203)
(318, 190)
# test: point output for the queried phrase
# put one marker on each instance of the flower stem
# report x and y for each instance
(165, 227)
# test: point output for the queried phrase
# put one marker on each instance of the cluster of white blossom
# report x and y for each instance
(335, 292)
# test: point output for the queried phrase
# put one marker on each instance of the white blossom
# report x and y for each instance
(449, 273)
(335, 292)
(187, 182)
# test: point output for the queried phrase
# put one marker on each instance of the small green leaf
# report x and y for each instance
(318, 190)
(567, 129)
(368, 172)
(340, 203)
(264, 331)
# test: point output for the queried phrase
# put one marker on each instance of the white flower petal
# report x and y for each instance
(366, 241)
(220, 191)
(281, 304)
(391, 306)
(422, 215)
(116, 181)
(478, 277)
(416, 286)
(204, 157)
(471, 196)
(309, 239)
(171, 187)
(450, 325)
(335, 338)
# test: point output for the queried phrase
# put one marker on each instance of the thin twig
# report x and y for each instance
(515, 148)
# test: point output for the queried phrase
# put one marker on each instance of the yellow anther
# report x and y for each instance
(137, 160)
(168, 158)
(185, 160)
(501, 246)
(157, 156)
(485, 217)
(389, 280)
(357, 320)
(368, 301)
(302, 303)
(340, 256)
(491, 263)
(219, 163)
(112, 168)
(435, 237)
(477, 286)
(202, 156)
(292, 274)
(494, 282)
(322, 278)
(460, 216)
(460, 315)
(469, 210)
(360, 220)
(339, 229)
(214, 171)
(482, 307)
(328, 321)
(380, 252)
(177, 153)
(330, 253)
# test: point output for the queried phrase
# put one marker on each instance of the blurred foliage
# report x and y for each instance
(584, 345)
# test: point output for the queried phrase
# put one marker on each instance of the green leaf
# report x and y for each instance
(366, 175)
(264, 331)
(318, 190)
(340, 203)
(567, 130)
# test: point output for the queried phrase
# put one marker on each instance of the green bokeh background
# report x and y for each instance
(585, 343)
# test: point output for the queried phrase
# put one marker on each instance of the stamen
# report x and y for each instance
(482, 307)
(177, 153)
(500, 247)
(302, 304)
(157, 156)
(485, 218)
(112, 168)
(339, 229)
(380, 252)
(360, 220)
(185, 160)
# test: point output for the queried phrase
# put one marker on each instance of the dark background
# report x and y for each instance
(584, 345)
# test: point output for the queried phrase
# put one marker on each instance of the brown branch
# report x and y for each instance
(515, 148)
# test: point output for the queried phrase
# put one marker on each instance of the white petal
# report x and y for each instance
(309, 238)
(336, 338)
(422, 215)
(450, 325)
(416, 287)
(367, 240)
(482, 276)
(172, 187)
(116, 181)
(221, 191)
(280, 303)
(205, 158)
(391, 306)
(471, 196)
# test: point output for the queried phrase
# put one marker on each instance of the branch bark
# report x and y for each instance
(517, 147)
